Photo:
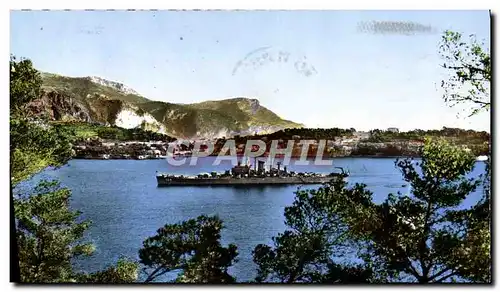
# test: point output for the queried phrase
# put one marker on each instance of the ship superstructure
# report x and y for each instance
(244, 174)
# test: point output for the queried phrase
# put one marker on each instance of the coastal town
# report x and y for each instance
(352, 144)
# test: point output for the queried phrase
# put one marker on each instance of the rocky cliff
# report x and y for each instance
(113, 84)
(94, 99)
(56, 106)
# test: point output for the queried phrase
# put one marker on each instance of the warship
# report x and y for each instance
(245, 175)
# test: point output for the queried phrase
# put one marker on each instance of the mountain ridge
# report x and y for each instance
(99, 100)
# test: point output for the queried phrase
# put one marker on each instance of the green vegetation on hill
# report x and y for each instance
(244, 111)
(379, 143)
(82, 87)
(80, 131)
(457, 135)
(477, 142)
(103, 103)
(308, 134)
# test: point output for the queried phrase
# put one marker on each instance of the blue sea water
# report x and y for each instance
(125, 205)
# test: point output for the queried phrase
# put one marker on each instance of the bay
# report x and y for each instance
(122, 200)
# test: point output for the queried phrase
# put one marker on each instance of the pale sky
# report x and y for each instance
(313, 67)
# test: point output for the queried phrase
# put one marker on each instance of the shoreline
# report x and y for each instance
(293, 157)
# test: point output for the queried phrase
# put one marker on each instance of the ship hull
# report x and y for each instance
(163, 181)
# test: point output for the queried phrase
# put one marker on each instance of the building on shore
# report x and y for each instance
(362, 135)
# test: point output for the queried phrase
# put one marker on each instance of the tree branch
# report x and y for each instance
(413, 269)
(446, 277)
(152, 276)
(439, 274)
(423, 245)
(467, 66)
(458, 98)
(296, 272)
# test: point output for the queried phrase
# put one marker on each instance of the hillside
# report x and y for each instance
(97, 100)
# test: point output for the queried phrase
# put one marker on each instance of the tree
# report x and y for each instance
(193, 247)
(49, 238)
(33, 144)
(25, 84)
(124, 272)
(48, 233)
(33, 147)
(469, 65)
(422, 237)
(315, 235)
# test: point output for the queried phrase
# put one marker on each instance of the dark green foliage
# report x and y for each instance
(306, 134)
(421, 237)
(469, 66)
(315, 234)
(460, 136)
(137, 134)
(34, 146)
(192, 246)
(47, 231)
(476, 141)
(339, 274)
(44, 225)
(295, 258)
(418, 238)
(25, 82)
(80, 131)
(123, 273)
(386, 150)
(49, 238)
(392, 143)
